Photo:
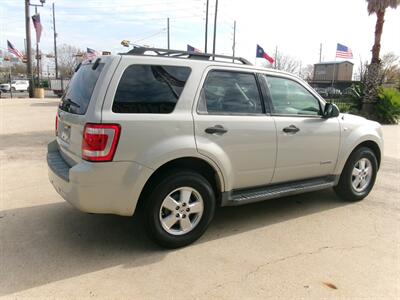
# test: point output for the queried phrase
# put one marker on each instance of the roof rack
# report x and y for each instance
(186, 54)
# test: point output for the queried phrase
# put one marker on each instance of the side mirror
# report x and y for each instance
(330, 111)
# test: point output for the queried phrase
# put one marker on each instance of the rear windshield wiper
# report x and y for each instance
(70, 102)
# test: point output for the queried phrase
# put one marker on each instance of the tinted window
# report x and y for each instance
(230, 93)
(291, 98)
(150, 89)
(79, 91)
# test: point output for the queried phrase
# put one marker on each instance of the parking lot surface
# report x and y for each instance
(308, 246)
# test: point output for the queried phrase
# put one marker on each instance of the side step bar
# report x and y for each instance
(244, 196)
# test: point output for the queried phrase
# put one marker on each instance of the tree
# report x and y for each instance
(390, 68)
(287, 63)
(284, 62)
(307, 72)
(373, 78)
(68, 58)
(362, 71)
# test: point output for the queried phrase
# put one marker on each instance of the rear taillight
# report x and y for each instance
(56, 125)
(100, 141)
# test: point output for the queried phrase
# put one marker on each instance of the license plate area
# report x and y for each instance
(64, 132)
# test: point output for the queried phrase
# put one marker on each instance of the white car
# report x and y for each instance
(16, 86)
(176, 134)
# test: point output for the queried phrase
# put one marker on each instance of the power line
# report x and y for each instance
(150, 36)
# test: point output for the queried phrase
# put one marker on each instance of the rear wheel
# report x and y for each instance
(179, 209)
(358, 176)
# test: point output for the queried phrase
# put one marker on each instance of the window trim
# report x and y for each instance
(321, 105)
(259, 89)
(149, 64)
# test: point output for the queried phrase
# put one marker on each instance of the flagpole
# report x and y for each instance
(334, 71)
(28, 48)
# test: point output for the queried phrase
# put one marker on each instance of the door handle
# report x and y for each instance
(219, 129)
(291, 129)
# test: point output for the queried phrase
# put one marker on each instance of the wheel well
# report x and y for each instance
(374, 147)
(186, 163)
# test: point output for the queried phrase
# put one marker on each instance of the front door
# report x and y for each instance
(232, 128)
(307, 144)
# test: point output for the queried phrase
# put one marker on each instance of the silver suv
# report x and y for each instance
(175, 134)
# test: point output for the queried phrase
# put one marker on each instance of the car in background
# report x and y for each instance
(322, 92)
(333, 92)
(16, 86)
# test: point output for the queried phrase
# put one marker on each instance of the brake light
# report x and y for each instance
(56, 125)
(100, 141)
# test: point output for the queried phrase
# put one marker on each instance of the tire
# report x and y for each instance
(348, 189)
(177, 185)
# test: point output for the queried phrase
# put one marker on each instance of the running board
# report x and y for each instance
(244, 196)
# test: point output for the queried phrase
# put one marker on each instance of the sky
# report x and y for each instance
(297, 28)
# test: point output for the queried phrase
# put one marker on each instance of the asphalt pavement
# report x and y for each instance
(311, 246)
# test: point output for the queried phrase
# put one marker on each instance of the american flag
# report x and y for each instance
(14, 50)
(343, 52)
(38, 26)
(192, 49)
(91, 54)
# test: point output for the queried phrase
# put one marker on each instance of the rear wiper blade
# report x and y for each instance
(70, 102)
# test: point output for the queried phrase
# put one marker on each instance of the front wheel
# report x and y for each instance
(358, 176)
(179, 209)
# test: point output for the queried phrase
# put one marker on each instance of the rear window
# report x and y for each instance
(79, 91)
(150, 89)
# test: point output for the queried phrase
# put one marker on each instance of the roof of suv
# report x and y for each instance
(200, 58)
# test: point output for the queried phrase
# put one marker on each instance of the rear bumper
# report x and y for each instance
(110, 188)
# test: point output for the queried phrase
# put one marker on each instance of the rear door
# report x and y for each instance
(308, 144)
(232, 127)
(80, 104)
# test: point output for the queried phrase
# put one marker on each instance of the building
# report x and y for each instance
(333, 72)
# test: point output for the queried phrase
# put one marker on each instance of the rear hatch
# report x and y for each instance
(81, 104)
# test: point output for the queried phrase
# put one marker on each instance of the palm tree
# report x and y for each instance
(373, 78)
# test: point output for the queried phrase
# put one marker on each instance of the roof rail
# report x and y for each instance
(187, 54)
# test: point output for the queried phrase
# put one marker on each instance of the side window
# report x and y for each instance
(226, 92)
(291, 98)
(150, 89)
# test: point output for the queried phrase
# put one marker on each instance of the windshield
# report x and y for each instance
(79, 91)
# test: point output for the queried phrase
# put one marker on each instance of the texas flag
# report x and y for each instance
(261, 53)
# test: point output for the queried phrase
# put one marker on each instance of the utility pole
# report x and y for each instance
(206, 33)
(168, 31)
(10, 80)
(234, 41)
(320, 51)
(28, 48)
(37, 57)
(215, 27)
(276, 56)
(55, 41)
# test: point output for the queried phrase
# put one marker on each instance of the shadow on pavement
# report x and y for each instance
(47, 243)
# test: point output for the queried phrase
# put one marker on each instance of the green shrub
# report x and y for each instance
(356, 94)
(388, 106)
(344, 107)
